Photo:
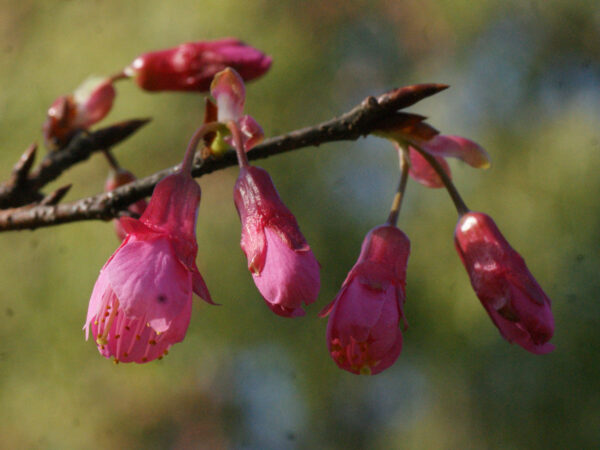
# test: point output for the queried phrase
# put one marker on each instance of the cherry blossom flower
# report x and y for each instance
(363, 334)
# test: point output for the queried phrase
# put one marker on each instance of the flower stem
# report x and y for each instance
(112, 161)
(118, 76)
(460, 205)
(397, 202)
(188, 158)
(238, 143)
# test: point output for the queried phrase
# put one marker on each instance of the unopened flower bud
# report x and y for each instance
(363, 334)
(507, 290)
(90, 103)
(192, 66)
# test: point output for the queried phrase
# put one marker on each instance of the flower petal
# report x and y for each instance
(459, 147)
(422, 171)
(289, 277)
(148, 279)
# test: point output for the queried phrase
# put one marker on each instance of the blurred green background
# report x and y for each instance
(525, 79)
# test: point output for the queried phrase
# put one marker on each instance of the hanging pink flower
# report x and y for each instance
(90, 103)
(509, 293)
(363, 334)
(282, 264)
(192, 66)
(142, 301)
(117, 178)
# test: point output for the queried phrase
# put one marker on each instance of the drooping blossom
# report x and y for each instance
(363, 333)
(117, 178)
(192, 66)
(89, 104)
(142, 301)
(507, 290)
(282, 264)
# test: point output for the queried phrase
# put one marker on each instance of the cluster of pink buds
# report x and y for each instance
(141, 303)
(187, 67)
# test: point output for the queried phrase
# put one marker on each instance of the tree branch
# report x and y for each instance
(23, 186)
(360, 121)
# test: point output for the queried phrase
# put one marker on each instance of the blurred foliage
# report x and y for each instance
(525, 79)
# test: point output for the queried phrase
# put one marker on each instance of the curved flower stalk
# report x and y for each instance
(142, 301)
(363, 334)
(192, 66)
(509, 293)
(89, 104)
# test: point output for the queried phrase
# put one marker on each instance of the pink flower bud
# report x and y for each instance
(363, 334)
(192, 66)
(91, 102)
(282, 264)
(117, 178)
(142, 301)
(228, 89)
(510, 294)
(229, 92)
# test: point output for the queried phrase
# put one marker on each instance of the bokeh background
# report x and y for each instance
(525, 79)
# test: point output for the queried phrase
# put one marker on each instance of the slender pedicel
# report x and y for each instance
(460, 205)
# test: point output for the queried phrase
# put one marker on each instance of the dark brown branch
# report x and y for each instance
(23, 187)
(360, 121)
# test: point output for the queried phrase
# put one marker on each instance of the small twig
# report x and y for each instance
(56, 196)
(55, 163)
(360, 121)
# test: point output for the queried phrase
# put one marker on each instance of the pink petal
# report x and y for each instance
(358, 309)
(100, 296)
(148, 279)
(458, 147)
(252, 132)
(98, 103)
(289, 277)
(421, 171)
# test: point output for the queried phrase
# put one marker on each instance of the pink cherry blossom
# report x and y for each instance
(282, 264)
(363, 334)
(507, 290)
(192, 66)
(141, 303)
